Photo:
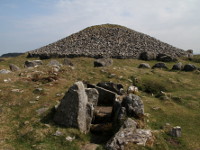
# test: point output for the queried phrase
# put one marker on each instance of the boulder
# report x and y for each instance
(178, 66)
(148, 56)
(129, 134)
(165, 58)
(4, 71)
(160, 66)
(33, 63)
(189, 67)
(67, 62)
(144, 65)
(13, 67)
(103, 62)
(117, 88)
(75, 110)
(134, 106)
(54, 63)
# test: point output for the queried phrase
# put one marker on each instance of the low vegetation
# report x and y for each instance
(171, 98)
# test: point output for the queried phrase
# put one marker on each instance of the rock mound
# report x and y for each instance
(106, 41)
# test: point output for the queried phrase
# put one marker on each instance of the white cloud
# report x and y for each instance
(174, 21)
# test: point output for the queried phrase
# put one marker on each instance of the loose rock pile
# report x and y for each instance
(107, 41)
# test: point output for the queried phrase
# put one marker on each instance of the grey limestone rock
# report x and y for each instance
(13, 67)
(75, 110)
(33, 63)
(144, 65)
(189, 67)
(134, 106)
(165, 58)
(129, 134)
(160, 66)
(103, 62)
(178, 66)
(4, 71)
(148, 55)
(117, 88)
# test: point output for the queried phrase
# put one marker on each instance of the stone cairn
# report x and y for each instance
(106, 40)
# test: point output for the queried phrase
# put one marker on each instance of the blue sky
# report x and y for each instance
(29, 24)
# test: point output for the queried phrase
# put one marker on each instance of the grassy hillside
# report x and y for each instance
(23, 128)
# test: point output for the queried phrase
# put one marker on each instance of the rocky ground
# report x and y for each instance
(162, 113)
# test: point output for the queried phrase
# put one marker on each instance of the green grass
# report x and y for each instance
(22, 128)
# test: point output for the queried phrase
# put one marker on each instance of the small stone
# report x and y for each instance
(58, 133)
(32, 102)
(144, 65)
(4, 71)
(15, 90)
(69, 138)
(176, 131)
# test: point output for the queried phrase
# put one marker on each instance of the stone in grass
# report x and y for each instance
(189, 67)
(160, 65)
(13, 67)
(4, 71)
(176, 131)
(103, 62)
(178, 66)
(144, 66)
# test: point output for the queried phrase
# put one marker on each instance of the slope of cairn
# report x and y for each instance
(106, 41)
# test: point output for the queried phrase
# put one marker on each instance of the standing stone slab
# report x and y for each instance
(74, 109)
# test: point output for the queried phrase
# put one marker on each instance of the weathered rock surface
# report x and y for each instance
(189, 67)
(4, 71)
(134, 106)
(103, 62)
(165, 58)
(33, 63)
(178, 66)
(13, 67)
(75, 110)
(148, 55)
(129, 134)
(117, 88)
(107, 40)
(144, 65)
(160, 66)
(106, 97)
(132, 89)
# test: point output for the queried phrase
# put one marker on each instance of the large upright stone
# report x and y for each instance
(75, 110)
